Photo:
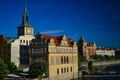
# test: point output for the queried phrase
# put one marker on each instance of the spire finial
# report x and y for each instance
(25, 15)
(25, 4)
(82, 38)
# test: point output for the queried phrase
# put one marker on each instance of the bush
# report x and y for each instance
(37, 69)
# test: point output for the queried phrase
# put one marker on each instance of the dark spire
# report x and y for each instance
(82, 39)
(25, 16)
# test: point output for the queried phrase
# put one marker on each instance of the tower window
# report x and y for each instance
(27, 42)
(20, 41)
(23, 41)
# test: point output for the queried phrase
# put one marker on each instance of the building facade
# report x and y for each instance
(20, 47)
(105, 51)
(5, 47)
(86, 49)
(59, 52)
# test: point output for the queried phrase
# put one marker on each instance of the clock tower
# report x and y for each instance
(25, 29)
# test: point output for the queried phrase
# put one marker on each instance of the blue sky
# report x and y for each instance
(96, 20)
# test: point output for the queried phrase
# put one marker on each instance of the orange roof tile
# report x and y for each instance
(57, 39)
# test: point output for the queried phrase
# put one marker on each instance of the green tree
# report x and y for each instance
(90, 67)
(117, 54)
(97, 57)
(106, 57)
(3, 70)
(37, 69)
(82, 58)
(90, 64)
(11, 66)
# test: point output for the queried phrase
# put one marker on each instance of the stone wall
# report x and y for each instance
(64, 77)
(106, 63)
(101, 63)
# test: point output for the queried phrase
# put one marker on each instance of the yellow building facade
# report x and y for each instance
(105, 51)
(86, 49)
(59, 52)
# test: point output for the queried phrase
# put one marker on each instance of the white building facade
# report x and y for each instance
(19, 48)
(105, 51)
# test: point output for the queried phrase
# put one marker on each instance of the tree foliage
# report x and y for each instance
(101, 58)
(90, 64)
(81, 59)
(117, 54)
(37, 69)
(11, 66)
(3, 70)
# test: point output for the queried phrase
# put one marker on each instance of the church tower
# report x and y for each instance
(25, 29)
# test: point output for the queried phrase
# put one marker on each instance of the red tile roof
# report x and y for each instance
(57, 39)
(103, 49)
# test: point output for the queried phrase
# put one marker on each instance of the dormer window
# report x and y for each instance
(52, 42)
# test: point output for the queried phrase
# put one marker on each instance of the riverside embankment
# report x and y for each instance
(101, 64)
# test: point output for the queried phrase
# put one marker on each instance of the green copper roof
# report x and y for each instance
(9, 39)
(25, 17)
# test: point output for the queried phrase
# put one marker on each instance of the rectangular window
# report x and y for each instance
(27, 42)
(57, 71)
(57, 60)
(67, 59)
(61, 70)
(71, 69)
(67, 69)
(64, 59)
(61, 60)
(64, 70)
(21, 54)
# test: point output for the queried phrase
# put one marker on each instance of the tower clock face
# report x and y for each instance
(29, 31)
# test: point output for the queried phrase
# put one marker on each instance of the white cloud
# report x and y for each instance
(52, 32)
